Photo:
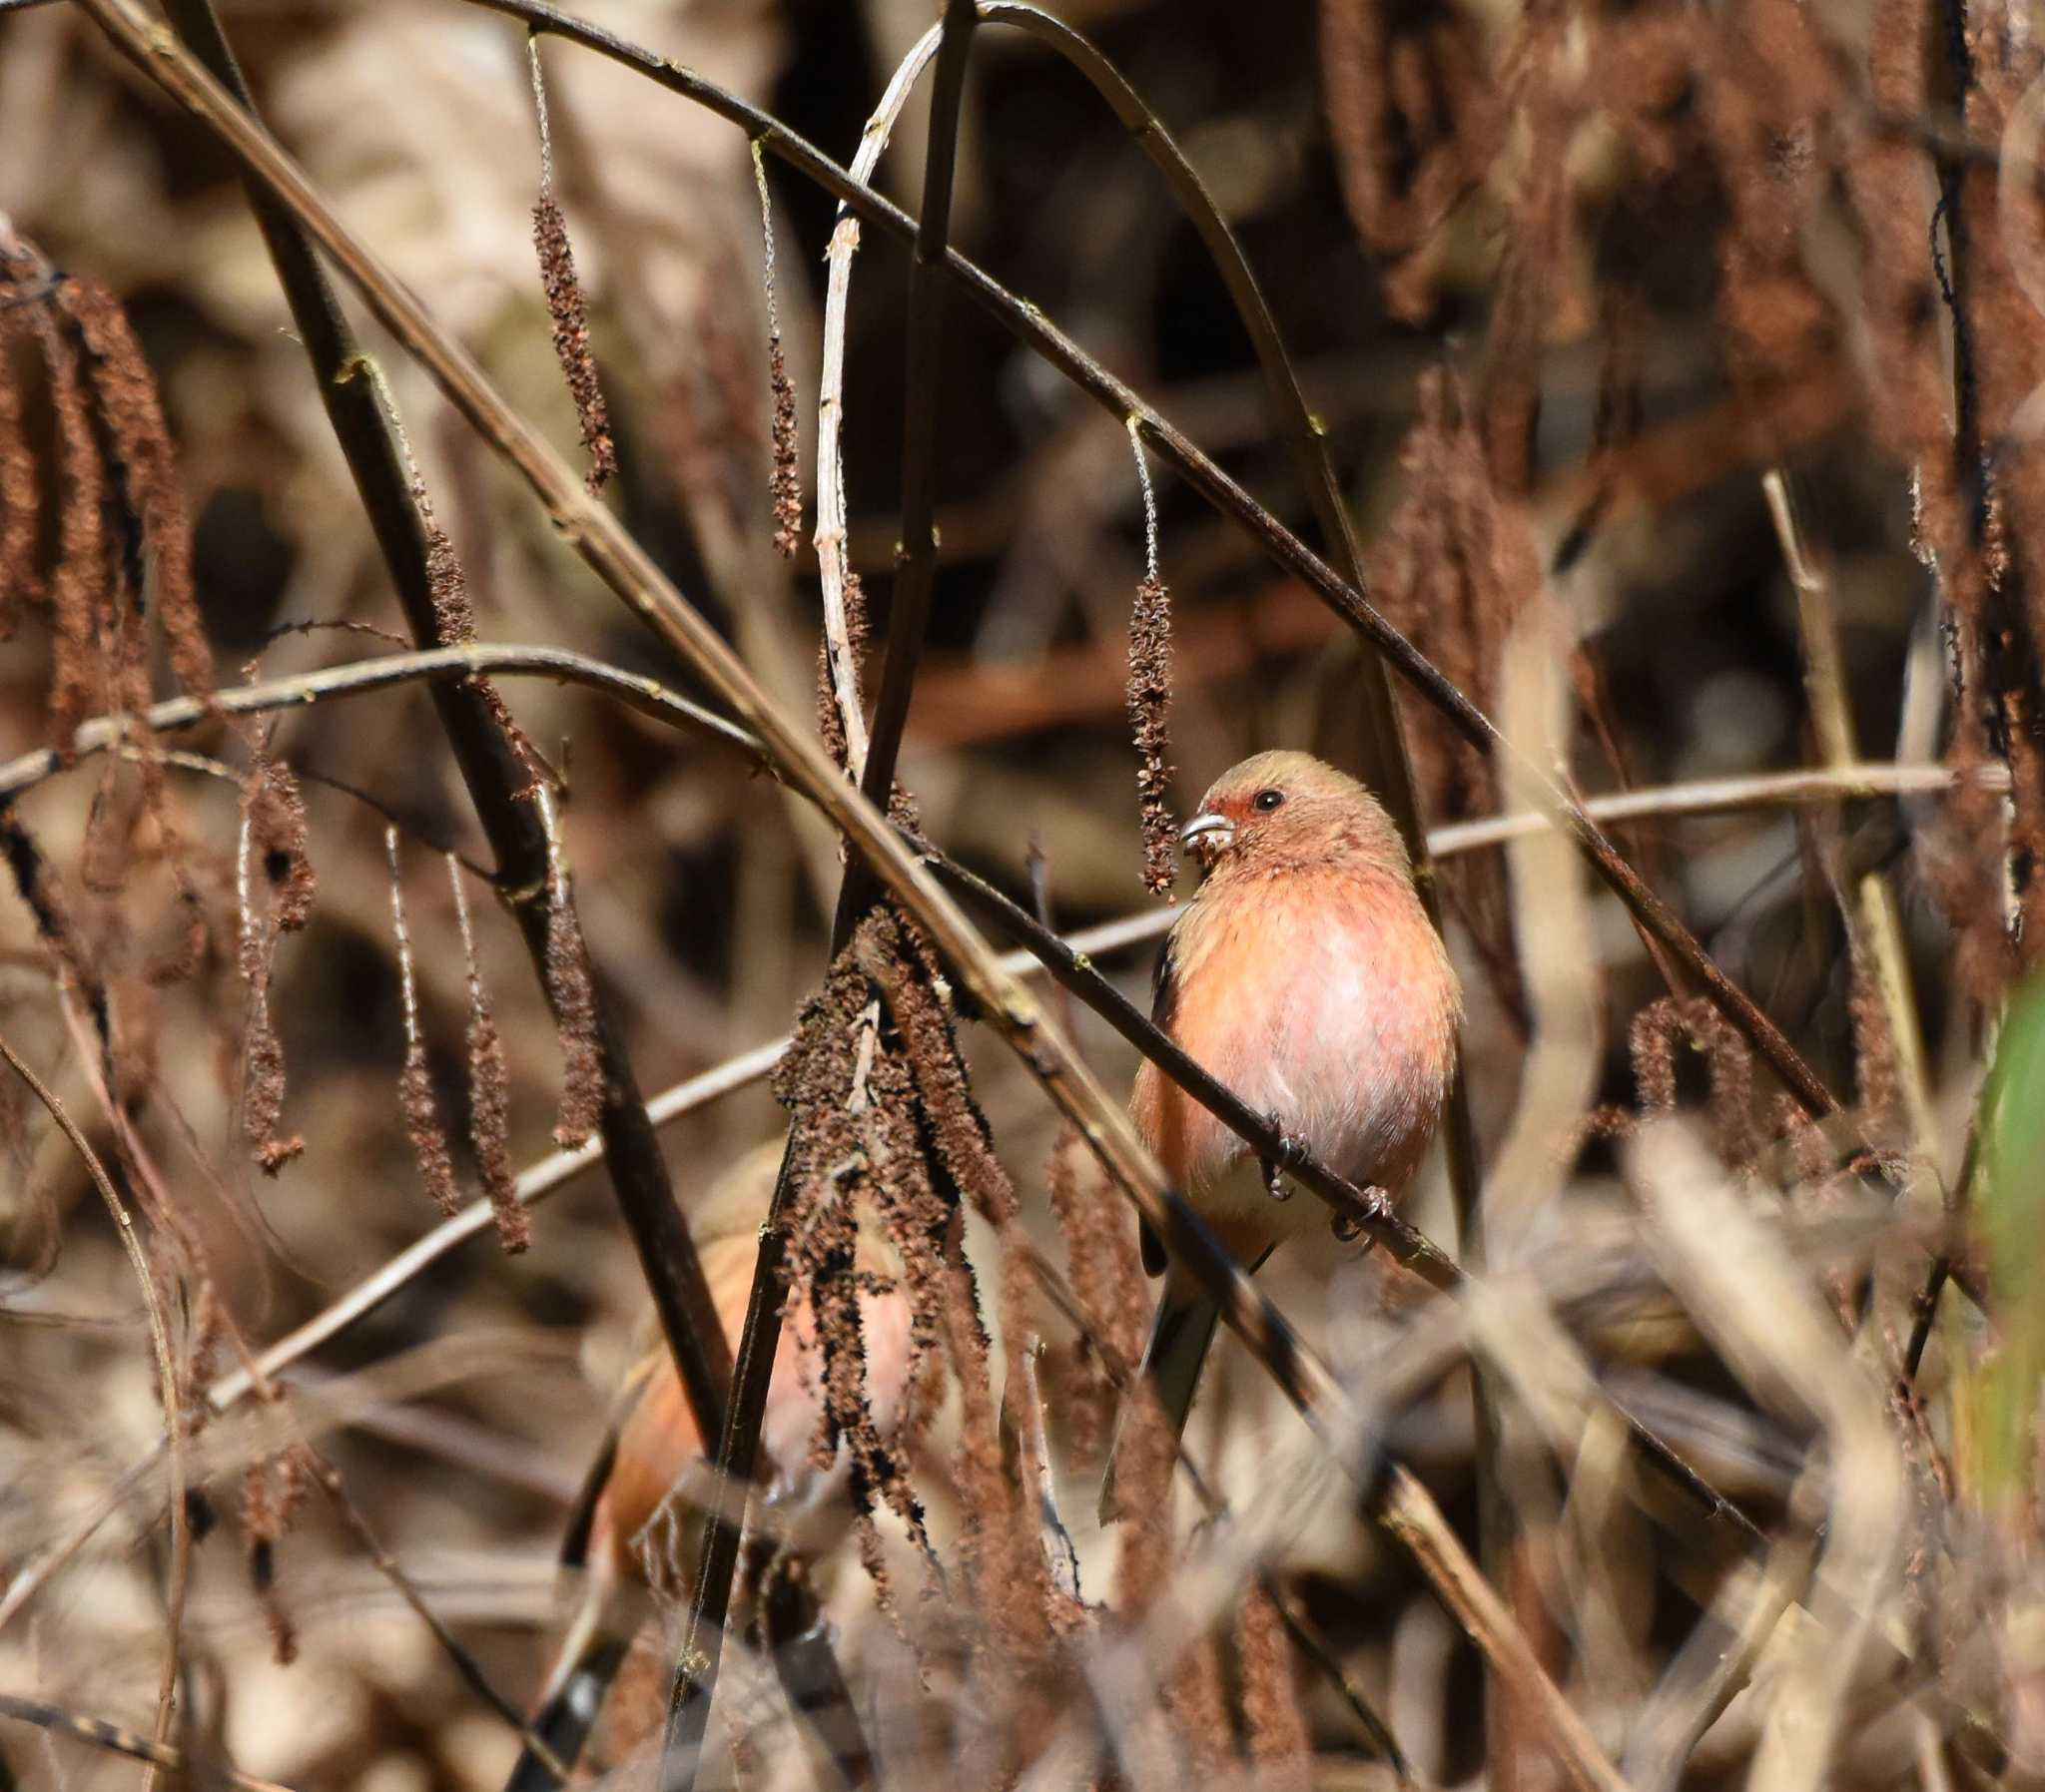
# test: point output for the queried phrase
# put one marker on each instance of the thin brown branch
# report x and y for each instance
(96, 1732)
(1701, 797)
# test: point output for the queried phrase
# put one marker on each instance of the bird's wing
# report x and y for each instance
(1164, 979)
(1164, 1010)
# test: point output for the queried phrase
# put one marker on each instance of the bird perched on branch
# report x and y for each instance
(1305, 976)
(641, 1517)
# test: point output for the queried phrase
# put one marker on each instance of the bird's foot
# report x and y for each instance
(1349, 1227)
(1290, 1150)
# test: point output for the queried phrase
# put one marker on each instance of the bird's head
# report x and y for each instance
(1278, 812)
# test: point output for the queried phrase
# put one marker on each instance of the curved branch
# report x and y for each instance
(359, 677)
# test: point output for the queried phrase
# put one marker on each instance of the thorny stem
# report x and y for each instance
(491, 763)
(1027, 322)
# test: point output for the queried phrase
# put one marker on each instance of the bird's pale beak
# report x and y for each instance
(1206, 835)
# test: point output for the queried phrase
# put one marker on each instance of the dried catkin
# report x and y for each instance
(570, 317)
(785, 485)
(415, 1102)
(20, 490)
(1150, 702)
(490, 1093)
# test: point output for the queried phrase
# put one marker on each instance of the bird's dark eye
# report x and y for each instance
(1267, 800)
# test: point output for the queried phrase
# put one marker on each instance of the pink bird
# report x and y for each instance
(1305, 976)
(644, 1506)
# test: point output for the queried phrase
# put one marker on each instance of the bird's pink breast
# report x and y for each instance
(1324, 999)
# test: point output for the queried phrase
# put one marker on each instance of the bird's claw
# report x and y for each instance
(1349, 1227)
(1290, 1150)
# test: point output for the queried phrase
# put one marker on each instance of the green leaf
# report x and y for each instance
(2011, 1207)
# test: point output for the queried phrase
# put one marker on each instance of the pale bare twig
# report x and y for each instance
(1880, 928)
(160, 1341)
(830, 519)
(1765, 1319)
(1701, 797)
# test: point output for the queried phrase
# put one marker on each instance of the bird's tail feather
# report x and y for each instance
(590, 1656)
(1172, 1360)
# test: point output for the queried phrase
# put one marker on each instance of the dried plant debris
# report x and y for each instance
(272, 817)
(123, 556)
(573, 996)
(1275, 1728)
(855, 1139)
(142, 457)
(273, 1491)
(1150, 703)
(1654, 1038)
(572, 350)
(415, 1100)
(490, 1093)
(786, 482)
(886, 1133)
(20, 498)
(1414, 121)
(277, 818)
(453, 615)
(1149, 693)
(81, 587)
